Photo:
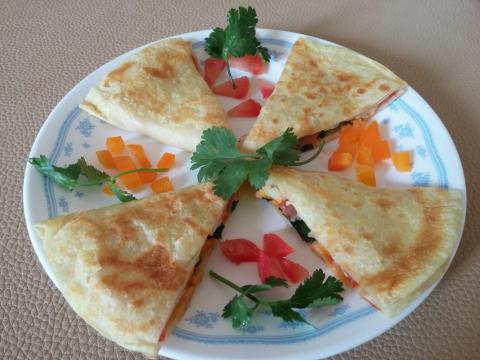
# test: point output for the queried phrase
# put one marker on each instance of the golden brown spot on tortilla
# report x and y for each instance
(356, 204)
(361, 91)
(310, 95)
(138, 303)
(117, 74)
(367, 235)
(275, 120)
(393, 246)
(385, 203)
(165, 72)
(384, 87)
(344, 77)
(142, 96)
(312, 63)
(408, 261)
(153, 269)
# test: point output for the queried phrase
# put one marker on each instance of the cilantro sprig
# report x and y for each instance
(220, 161)
(237, 39)
(313, 292)
(68, 176)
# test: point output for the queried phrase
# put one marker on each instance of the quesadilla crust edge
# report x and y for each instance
(123, 268)
(392, 242)
(158, 92)
(320, 87)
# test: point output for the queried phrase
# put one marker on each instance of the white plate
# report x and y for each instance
(409, 122)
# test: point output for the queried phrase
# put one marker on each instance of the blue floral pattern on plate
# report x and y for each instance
(204, 319)
(85, 127)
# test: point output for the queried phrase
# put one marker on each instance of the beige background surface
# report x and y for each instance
(46, 47)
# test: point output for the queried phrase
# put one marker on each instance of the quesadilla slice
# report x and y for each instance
(321, 87)
(158, 92)
(391, 244)
(129, 270)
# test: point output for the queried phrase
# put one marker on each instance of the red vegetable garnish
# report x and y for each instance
(213, 69)
(269, 266)
(251, 63)
(242, 85)
(295, 272)
(248, 108)
(240, 250)
(266, 88)
(274, 245)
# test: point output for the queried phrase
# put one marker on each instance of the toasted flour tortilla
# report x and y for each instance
(320, 87)
(158, 92)
(124, 268)
(391, 243)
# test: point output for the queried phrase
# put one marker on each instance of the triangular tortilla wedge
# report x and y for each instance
(158, 92)
(127, 269)
(391, 243)
(320, 87)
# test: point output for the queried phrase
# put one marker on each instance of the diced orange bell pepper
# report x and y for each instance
(352, 133)
(167, 161)
(124, 163)
(139, 153)
(402, 161)
(106, 190)
(364, 156)
(142, 158)
(347, 147)
(380, 150)
(371, 135)
(366, 174)
(339, 161)
(105, 158)
(115, 144)
(162, 185)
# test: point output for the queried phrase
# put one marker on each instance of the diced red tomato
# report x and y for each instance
(295, 272)
(269, 266)
(266, 88)
(240, 250)
(251, 63)
(248, 108)
(275, 246)
(242, 85)
(213, 69)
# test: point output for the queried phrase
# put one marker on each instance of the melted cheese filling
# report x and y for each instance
(190, 288)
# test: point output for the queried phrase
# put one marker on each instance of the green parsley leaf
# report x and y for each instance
(68, 176)
(239, 311)
(313, 292)
(273, 281)
(314, 289)
(90, 172)
(282, 150)
(219, 160)
(122, 195)
(237, 39)
(65, 177)
(284, 311)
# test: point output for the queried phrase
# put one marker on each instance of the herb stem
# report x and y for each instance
(230, 75)
(320, 148)
(227, 282)
(116, 176)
